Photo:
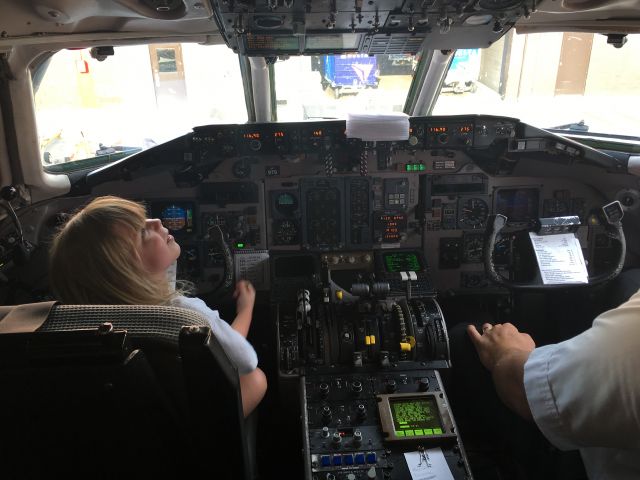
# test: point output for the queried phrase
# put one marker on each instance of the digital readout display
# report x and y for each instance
(251, 136)
(517, 204)
(441, 129)
(419, 416)
(402, 262)
(177, 218)
(392, 226)
(465, 128)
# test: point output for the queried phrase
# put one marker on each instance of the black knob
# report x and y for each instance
(8, 193)
(391, 386)
(423, 385)
(356, 386)
(324, 390)
(362, 411)
(336, 439)
(326, 415)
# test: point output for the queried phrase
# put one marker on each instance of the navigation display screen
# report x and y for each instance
(177, 217)
(402, 262)
(517, 204)
(419, 416)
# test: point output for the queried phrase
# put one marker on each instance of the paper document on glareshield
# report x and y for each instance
(559, 258)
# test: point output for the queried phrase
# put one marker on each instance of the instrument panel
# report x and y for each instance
(306, 188)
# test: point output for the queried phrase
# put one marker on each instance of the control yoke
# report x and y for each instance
(611, 216)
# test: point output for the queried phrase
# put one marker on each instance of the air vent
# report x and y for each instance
(395, 45)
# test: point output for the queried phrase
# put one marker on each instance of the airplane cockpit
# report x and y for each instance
(383, 172)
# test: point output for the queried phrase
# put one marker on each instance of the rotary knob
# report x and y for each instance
(423, 384)
(356, 386)
(362, 412)
(336, 439)
(323, 388)
(357, 438)
(326, 415)
(391, 386)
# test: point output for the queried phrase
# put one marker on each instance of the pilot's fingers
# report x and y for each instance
(474, 335)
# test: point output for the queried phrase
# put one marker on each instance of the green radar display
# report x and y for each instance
(416, 415)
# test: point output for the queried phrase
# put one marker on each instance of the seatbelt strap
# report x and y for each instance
(24, 318)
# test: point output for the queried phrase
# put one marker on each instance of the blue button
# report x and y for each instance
(325, 460)
(347, 459)
(337, 459)
(359, 458)
(372, 457)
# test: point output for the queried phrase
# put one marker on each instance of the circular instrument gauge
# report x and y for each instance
(472, 213)
(285, 232)
(241, 169)
(473, 248)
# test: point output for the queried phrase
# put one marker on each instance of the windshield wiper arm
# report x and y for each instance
(576, 127)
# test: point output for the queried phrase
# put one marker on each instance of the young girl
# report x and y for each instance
(110, 253)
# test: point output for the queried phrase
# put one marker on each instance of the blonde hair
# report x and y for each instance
(94, 257)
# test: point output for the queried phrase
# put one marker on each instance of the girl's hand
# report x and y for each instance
(245, 296)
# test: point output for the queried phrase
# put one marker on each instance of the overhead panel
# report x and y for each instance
(293, 27)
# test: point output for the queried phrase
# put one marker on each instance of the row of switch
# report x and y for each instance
(348, 459)
(356, 386)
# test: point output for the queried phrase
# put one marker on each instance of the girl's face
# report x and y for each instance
(157, 248)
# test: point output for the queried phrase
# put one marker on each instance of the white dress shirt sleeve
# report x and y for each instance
(585, 392)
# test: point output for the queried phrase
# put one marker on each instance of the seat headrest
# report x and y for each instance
(141, 321)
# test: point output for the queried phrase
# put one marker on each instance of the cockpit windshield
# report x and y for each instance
(330, 86)
(92, 109)
(574, 82)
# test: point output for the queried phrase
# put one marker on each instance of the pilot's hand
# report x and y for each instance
(245, 296)
(495, 341)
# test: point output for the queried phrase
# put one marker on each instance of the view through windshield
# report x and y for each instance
(331, 86)
(139, 97)
(145, 95)
(572, 81)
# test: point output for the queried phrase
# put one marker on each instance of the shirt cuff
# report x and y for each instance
(542, 402)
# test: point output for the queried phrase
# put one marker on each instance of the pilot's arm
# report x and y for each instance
(584, 392)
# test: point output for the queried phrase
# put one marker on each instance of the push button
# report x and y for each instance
(347, 459)
(359, 458)
(337, 460)
(325, 460)
(372, 457)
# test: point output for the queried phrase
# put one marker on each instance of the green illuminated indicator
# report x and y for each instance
(428, 431)
(415, 167)
(239, 245)
(409, 433)
(418, 432)
(399, 433)
(437, 431)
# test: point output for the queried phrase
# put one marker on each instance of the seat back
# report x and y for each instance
(113, 391)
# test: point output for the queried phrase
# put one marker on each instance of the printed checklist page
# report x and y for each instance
(559, 258)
